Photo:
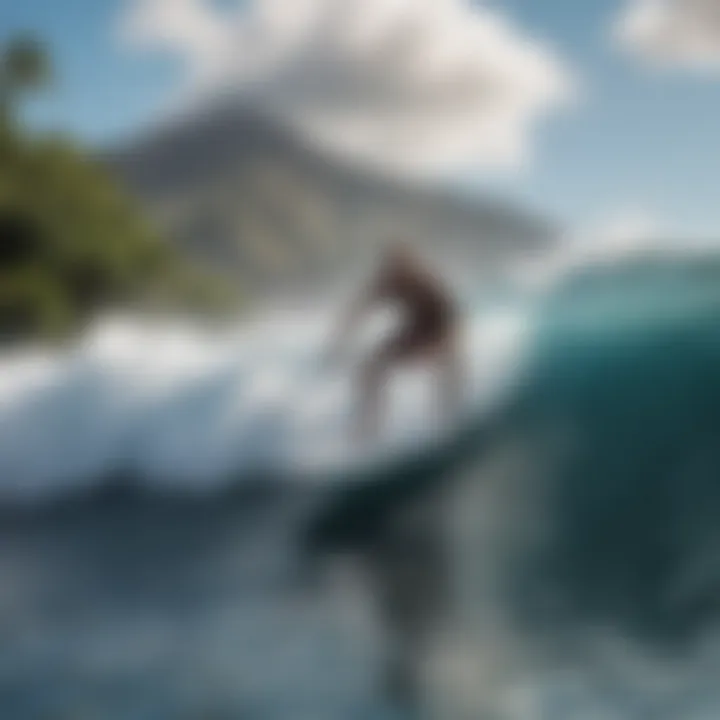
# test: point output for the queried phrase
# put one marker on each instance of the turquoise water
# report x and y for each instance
(578, 521)
(606, 518)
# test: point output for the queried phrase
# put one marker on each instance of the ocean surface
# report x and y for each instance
(187, 532)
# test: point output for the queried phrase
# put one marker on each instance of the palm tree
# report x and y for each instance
(24, 67)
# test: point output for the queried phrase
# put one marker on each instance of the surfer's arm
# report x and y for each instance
(356, 311)
(353, 315)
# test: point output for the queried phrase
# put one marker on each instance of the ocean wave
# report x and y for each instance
(183, 406)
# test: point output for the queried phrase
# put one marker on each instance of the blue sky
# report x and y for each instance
(102, 91)
(640, 140)
(637, 140)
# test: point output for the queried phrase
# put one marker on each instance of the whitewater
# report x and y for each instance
(175, 403)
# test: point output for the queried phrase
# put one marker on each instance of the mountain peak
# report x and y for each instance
(237, 191)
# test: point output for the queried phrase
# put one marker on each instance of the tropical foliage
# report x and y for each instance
(71, 242)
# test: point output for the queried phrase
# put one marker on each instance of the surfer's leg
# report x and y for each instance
(449, 370)
(398, 350)
(444, 359)
(372, 380)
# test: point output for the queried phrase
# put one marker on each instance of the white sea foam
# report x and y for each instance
(180, 404)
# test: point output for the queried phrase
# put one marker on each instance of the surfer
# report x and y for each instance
(429, 332)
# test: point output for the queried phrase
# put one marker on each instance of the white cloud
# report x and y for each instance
(626, 234)
(680, 33)
(630, 233)
(185, 27)
(414, 86)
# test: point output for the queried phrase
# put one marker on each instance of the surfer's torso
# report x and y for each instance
(429, 313)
